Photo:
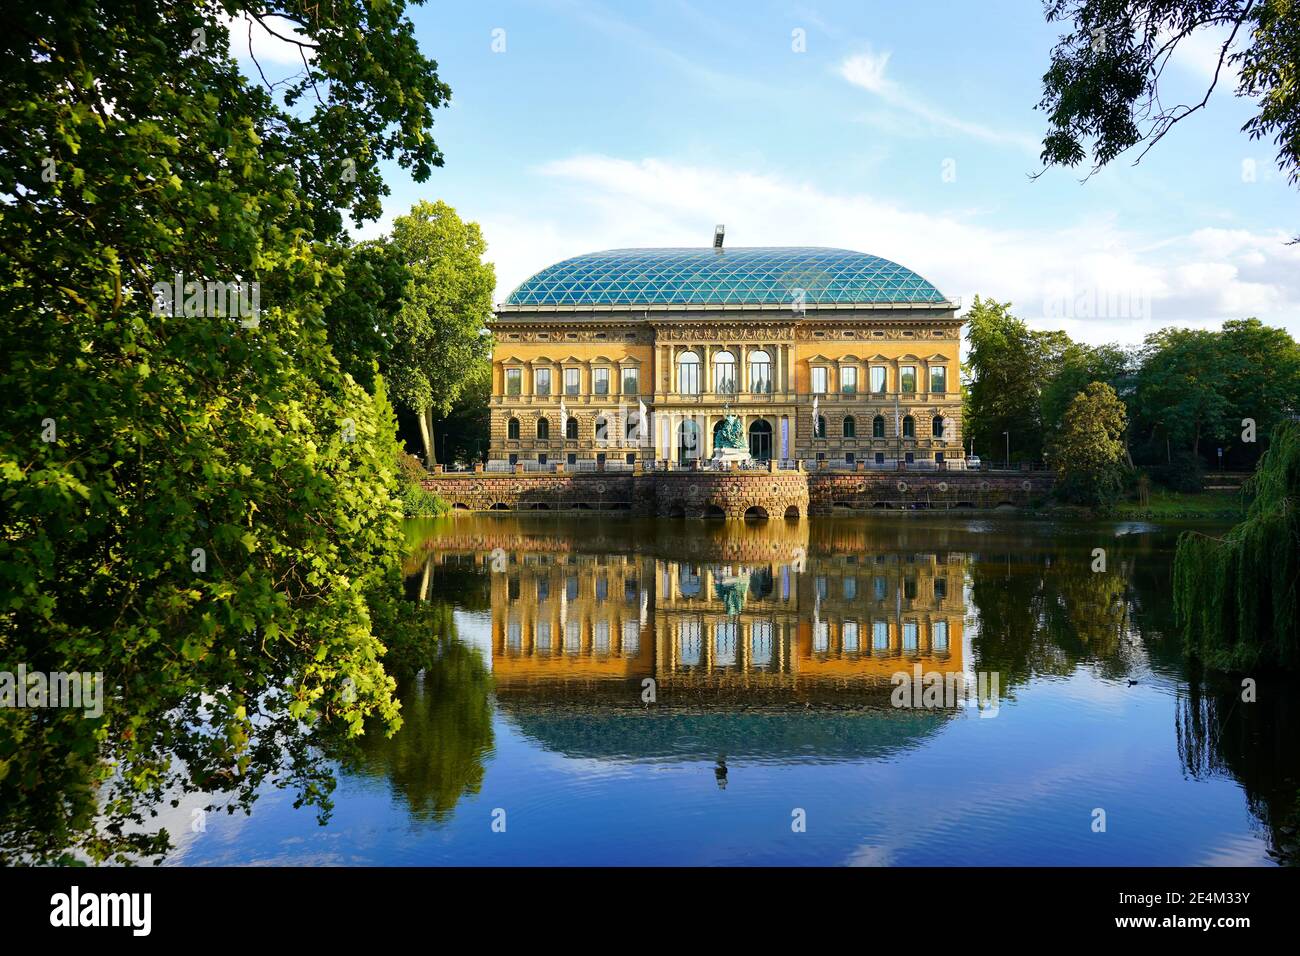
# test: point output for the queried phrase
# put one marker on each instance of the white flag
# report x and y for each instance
(642, 422)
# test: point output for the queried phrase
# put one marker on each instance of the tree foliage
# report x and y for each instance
(1010, 366)
(1087, 452)
(419, 312)
(194, 505)
(1236, 596)
(1102, 92)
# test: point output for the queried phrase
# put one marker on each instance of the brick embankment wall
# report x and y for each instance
(497, 492)
(760, 494)
(834, 493)
(698, 494)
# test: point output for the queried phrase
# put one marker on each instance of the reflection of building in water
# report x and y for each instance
(570, 616)
(831, 620)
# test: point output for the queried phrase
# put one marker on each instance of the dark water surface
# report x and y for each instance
(769, 652)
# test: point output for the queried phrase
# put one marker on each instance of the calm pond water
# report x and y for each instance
(769, 652)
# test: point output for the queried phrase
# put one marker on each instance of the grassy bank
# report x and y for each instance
(1182, 504)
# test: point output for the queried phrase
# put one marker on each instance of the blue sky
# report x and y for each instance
(903, 130)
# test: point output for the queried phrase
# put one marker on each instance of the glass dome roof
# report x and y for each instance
(749, 276)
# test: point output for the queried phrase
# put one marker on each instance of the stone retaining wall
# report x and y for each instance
(772, 494)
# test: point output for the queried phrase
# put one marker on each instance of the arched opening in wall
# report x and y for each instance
(755, 513)
(582, 506)
(688, 441)
(760, 440)
(1005, 506)
(713, 511)
(677, 511)
(792, 513)
(538, 506)
(842, 504)
(500, 506)
(964, 504)
(880, 504)
(459, 506)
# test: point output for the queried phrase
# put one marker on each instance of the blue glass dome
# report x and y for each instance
(748, 276)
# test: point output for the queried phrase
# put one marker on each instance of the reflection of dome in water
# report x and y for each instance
(798, 737)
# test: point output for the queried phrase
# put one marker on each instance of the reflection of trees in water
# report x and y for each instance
(437, 756)
(1219, 734)
(1046, 612)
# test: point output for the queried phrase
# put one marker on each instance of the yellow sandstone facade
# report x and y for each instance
(862, 365)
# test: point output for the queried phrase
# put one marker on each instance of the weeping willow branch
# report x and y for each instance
(1235, 597)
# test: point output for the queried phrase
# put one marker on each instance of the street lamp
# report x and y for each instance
(1008, 436)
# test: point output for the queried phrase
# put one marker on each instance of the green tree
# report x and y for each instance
(440, 340)
(1179, 390)
(1077, 366)
(1238, 597)
(1087, 453)
(1010, 367)
(465, 429)
(1102, 92)
(194, 502)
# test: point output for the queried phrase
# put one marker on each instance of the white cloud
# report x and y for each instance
(866, 70)
(1091, 277)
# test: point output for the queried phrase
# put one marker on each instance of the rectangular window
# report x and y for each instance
(819, 380)
(573, 637)
(878, 379)
(600, 381)
(849, 380)
(911, 637)
(938, 378)
(631, 644)
(939, 637)
(571, 381)
(544, 637)
(880, 636)
(602, 637)
(821, 637)
(850, 635)
(631, 381)
(543, 381)
(907, 378)
(514, 381)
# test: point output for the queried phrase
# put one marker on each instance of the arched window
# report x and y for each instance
(571, 429)
(602, 428)
(821, 427)
(760, 371)
(850, 427)
(937, 426)
(512, 429)
(878, 427)
(724, 373)
(909, 427)
(633, 427)
(543, 429)
(688, 373)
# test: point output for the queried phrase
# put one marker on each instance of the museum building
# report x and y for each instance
(826, 356)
